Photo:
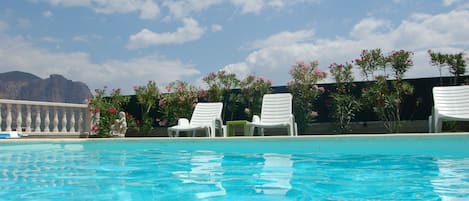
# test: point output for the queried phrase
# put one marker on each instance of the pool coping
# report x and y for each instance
(9, 140)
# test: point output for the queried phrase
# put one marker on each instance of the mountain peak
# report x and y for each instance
(26, 86)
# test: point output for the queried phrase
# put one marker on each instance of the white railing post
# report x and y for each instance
(8, 118)
(19, 118)
(80, 121)
(46, 120)
(28, 118)
(38, 119)
(56, 121)
(0, 117)
(72, 121)
(64, 121)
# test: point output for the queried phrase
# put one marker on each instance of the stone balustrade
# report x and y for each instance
(37, 118)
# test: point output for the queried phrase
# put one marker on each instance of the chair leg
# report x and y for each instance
(262, 131)
(430, 124)
(438, 125)
(193, 133)
(252, 130)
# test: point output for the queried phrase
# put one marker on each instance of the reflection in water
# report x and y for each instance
(452, 179)
(276, 174)
(205, 170)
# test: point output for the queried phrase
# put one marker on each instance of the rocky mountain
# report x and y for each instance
(25, 86)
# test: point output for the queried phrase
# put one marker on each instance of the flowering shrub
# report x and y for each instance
(455, 62)
(219, 84)
(252, 90)
(219, 89)
(305, 91)
(104, 110)
(178, 102)
(385, 96)
(147, 97)
(344, 104)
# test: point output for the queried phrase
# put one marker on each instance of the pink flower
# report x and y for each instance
(94, 128)
(317, 71)
(96, 110)
(161, 102)
(180, 88)
(203, 93)
(168, 88)
(322, 89)
(314, 114)
(112, 110)
(163, 123)
(247, 110)
(315, 87)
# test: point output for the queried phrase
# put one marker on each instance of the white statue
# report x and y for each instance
(119, 127)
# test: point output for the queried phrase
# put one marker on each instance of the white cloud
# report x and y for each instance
(50, 39)
(449, 2)
(190, 31)
(240, 69)
(148, 9)
(217, 28)
(284, 38)
(272, 58)
(249, 6)
(184, 8)
(3, 26)
(256, 6)
(370, 26)
(47, 14)
(86, 38)
(78, 66)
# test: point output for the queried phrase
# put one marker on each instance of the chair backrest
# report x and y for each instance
(276, 108)
(452, 100)
(204, 113)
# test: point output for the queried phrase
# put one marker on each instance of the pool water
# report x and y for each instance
(300, 168)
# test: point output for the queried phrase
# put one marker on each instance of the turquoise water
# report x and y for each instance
(337, 168)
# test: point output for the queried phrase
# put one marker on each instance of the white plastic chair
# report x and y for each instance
(451, 103)
(206, 116)
(276, 112)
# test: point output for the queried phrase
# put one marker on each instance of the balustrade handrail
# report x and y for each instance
(44, 118)
(42, 103)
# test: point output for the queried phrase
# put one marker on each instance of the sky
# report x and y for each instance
(126, 43)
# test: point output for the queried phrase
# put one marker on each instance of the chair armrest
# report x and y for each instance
(183, 122)
(256, 119)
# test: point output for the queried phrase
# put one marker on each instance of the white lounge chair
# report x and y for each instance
(451, 103)
(276, 112)
(206, 116)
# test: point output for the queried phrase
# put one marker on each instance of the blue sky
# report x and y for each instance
(124, 43)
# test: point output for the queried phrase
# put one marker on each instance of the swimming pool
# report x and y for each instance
(301, 168)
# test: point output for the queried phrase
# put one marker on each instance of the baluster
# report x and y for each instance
(38, 119)
(46, 120)
(28, 118)
(72, 121)
(19, 118)
(0, 117)
(64, 121)
(80, 120)
(56, 120)
(8, 120)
